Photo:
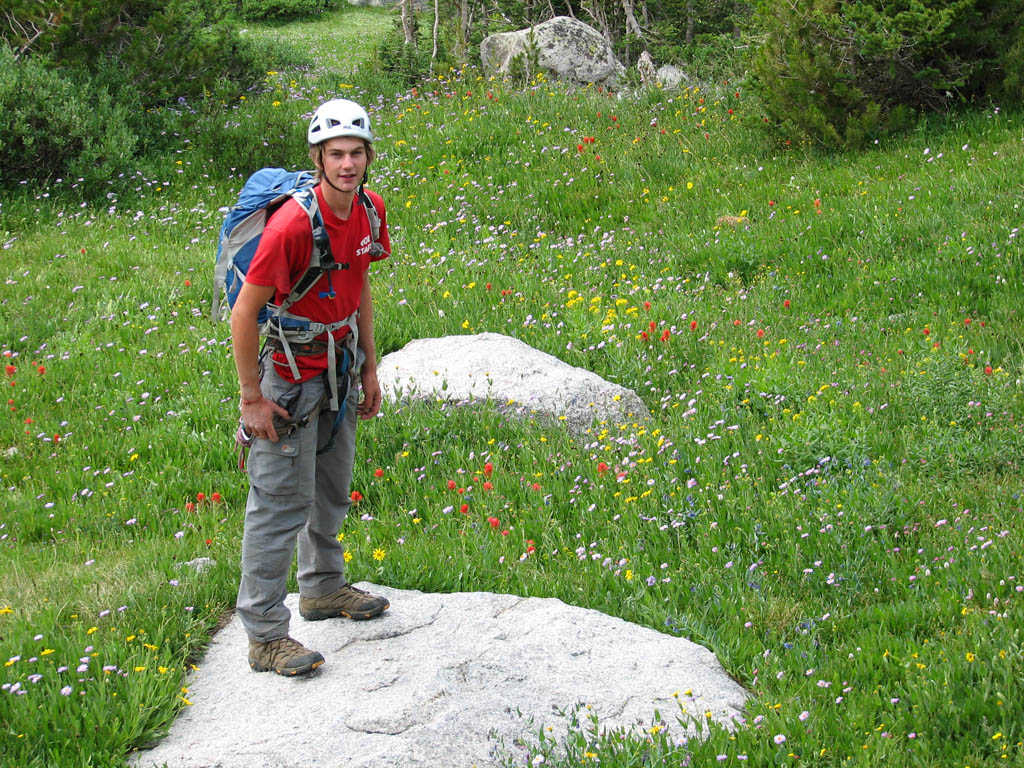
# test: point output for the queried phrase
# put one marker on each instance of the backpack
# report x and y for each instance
(262, 194)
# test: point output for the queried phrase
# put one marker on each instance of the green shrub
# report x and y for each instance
(150, 51)
(52, 126)
(840, 73)
(87, 92)
(1013, 70)
(281, 10)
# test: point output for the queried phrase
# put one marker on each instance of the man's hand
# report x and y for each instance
(370, 404)
(258, 418)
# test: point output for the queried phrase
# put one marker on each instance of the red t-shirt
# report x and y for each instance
(283, 255)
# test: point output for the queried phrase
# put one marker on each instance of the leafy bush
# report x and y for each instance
(154, 51)
(51, 126)
(86, 88)
(280, 10)
(840, 73)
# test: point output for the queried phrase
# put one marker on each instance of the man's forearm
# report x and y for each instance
(365, 325)
(245, 338)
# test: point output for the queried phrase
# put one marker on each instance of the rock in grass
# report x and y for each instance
(199, 564)
(563, 46)
(449, 680)
(490, 366)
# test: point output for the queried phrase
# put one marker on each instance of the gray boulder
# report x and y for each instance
(566, 47)
(490, 366)
(672, 77)
(452, 680)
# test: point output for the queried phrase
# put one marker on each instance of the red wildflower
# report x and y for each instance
(10, 370)
(988, 370)
(693, 325)
(216, 497)
(488, 469)
(464, 509)
(356, 496)
(495, 522)
(488, 485)
(451, 485)
(666, 334)
(602, 467)
(190, 507)
(529, 546)
(926, 331)
(188, 283)
(760, 333)
(378, 472)
(786, 303)
(200, 497)
(536, 486)
(41, 369)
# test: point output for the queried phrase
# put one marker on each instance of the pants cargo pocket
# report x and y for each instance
(274, 467)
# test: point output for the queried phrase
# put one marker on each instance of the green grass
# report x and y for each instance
(827, 492)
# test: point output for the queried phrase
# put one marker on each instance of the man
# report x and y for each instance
(293, 397)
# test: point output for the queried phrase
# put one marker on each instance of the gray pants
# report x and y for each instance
(295, 495)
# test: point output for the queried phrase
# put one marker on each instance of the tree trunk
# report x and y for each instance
(632, 28)
(596, 12)
(408, 27)
(433, 51)
(689, 22)
(464, 30)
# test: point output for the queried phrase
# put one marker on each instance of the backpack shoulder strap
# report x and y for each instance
(321, 259)
(374, 218)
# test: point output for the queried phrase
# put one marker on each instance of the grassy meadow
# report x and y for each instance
(826, 491)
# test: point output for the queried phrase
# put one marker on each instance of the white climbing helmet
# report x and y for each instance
(339, 117)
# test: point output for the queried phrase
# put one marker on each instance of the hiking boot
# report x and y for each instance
(285, 656)
(348, 601)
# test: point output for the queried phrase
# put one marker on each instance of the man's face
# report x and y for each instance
(344, 161)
